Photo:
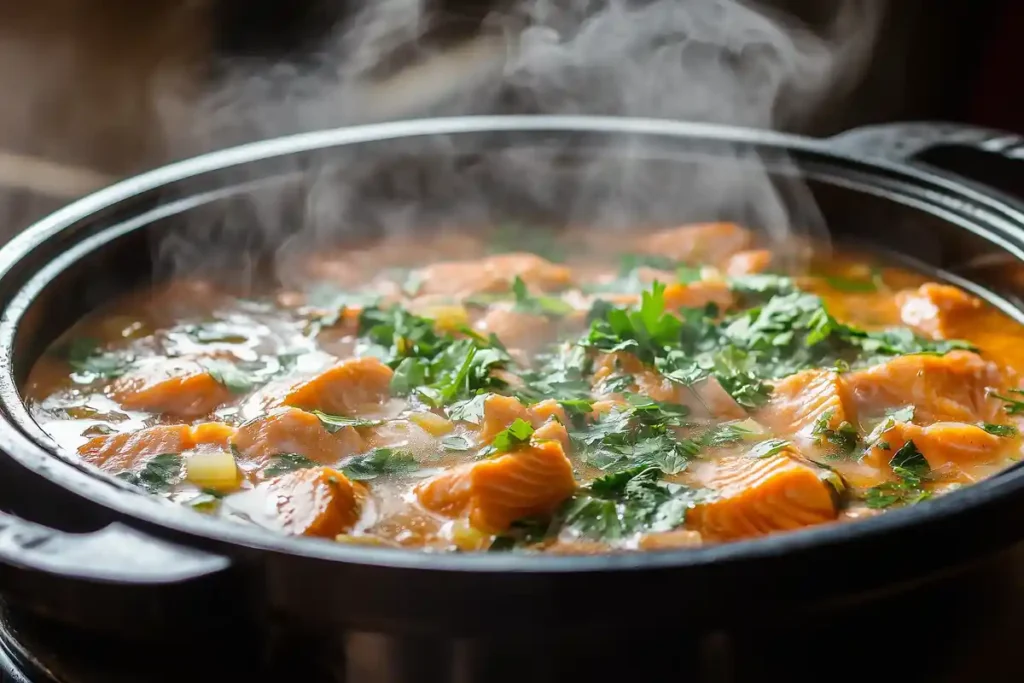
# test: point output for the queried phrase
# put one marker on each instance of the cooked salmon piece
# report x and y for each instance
(698, 295)
(670, 540)
(493, 274)
(698, 243)
(318, 501)
(345, 389)
(552, 430)
(119, 452)
(179, 388)
(943, 444)
(799, 401)
(530, 481)
(748, 262)
(949, 388)
(499, 413)
(213, 434)
(515, 329)
(291, 430)
(548, 409)
(938, 311)
(704, 399)
(758, 496)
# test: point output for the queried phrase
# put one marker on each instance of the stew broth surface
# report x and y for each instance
(586, 394)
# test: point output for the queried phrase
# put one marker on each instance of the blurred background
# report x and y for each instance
(94, 90)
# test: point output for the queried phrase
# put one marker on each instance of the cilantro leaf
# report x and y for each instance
(843, 439)
(767, 449)
(158, 474)
(287, 462)
(515, 435)
(1013, 405)
(912, 470)
(335, 423)
(380, 462)
(455, 443)
(88, 359)
(538, 305)
(1000, 430)
(230, 376)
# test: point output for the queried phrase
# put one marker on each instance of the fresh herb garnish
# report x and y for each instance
(522, 532)
(1013, 406)
(537, 304)
(999, 430)
(87, 358)
(215, 333)
(230, 376)
(767, 449)
(335, 423)
(287, 462)
(628, 502)
(912, 470)
(380, 462)
(843, 439)
(158, 474)
(468, 410)
(510, 438)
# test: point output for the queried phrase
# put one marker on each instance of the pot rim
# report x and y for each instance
(97, 489)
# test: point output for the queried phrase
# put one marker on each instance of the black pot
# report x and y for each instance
(133, 568)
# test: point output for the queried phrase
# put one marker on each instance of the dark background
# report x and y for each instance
(85, 82)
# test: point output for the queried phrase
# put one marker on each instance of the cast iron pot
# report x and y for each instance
(101, 555)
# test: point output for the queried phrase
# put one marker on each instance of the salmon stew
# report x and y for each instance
(588, 394)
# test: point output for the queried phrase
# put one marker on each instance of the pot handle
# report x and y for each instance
(116, 578)
(919, 143)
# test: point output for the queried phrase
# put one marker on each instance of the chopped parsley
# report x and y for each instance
(912, 470)
(999, 430)
(536, 304)
(287, 462)
(632, 501)
(380, 462)
(842, 440)
(1014, 406)
(158, 474)
(455, 443)
(88, 359)
(230, 376)
(510, 438)
(767, 449)
(335, 423)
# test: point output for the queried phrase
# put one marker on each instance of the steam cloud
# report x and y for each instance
(721, 61)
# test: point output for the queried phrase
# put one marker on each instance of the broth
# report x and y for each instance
(575, 393)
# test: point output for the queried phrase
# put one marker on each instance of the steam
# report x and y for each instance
(718, 61)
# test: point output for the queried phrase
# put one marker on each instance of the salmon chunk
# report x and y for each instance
(944, 445)
(531, 481)
(698, 295)
(748, 262)
(318, 501)
(119, 452)
(938, 311)
(502, 411)
(758, 496)
(493, 274)
(515, 329)
(179, 388)
(291, 430)
(553, 431)
(949, 388)
(801, 400)
(698, 243)
(346, 388)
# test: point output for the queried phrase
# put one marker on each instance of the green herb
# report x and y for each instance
(637, 435)
(844, 439)
(645, 332)
(761, 286)
(230, 376)
(999, 430)
(335, 423)
(522, 532)
(1013, 406)
(538, 305)
(468, 410)
(515, 435)
(629, 502)
(215, 333)
(380, 462)
(767, 449)
(87, 358)
(724, 435)
(207, 500)
(455, 443)
(158, 474)
(287, 462)
(912, 469)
